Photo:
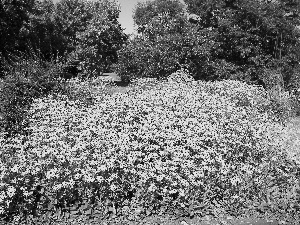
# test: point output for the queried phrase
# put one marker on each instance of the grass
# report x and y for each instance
(153, 151)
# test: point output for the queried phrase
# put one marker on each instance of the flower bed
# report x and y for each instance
(176, 147)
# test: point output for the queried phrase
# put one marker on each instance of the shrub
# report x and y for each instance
(178, 147)
(167, 45)
(27, 77)
(180, 76)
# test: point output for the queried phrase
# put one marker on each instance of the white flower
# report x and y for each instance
(88, 178)
(1, 210)
(2, 196)
(71, 182)
(77, 176)
(113, 187)
(51, 173)
(152, 187)
(15, 168)
(99, 179)
(57, 187)
(11, 191)
(103, 168)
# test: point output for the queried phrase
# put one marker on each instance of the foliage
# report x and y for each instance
(178, 147)
(83, 29)
(167, 44)
(253, 35)
(12, 16)
(40, 32)
(26, 78)
(103, 36)
(240, 40)
(145, 11)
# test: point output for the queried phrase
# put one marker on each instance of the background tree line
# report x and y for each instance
(256, 41)
(84, 30)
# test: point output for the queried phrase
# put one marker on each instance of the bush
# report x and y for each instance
(180, 76)
(27, 77)
(167, 45)
(176, 147)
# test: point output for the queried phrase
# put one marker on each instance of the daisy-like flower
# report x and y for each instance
(152, 188)
(15, 168)
(113, 187)
(3, 196)
(103, 168)
(174, 131)
(89, 178)
(235, 180)
(10, 191)
(57, 187)
(52, 173)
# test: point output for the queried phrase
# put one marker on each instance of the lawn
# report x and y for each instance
(176, 151)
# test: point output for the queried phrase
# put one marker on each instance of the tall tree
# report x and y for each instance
(13, 14)
(103, 36)
(167, 44)
(144, 12)
(253, 35)
(82, 29)
(40, 33)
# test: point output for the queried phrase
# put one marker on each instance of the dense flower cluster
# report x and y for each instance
(180, 138)
(180, 76)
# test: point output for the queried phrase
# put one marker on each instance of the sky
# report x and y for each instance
(125, 19)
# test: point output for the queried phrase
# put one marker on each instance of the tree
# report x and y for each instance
(40, 33)
(73, 29)
(13, 14)
(145, 11)
(98, 43)
(254, 35)
(71, 17)
(167, 44)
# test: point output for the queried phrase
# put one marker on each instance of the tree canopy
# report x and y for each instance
(144, 12)
(63, 29)
(255, 41)
(253, 35)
